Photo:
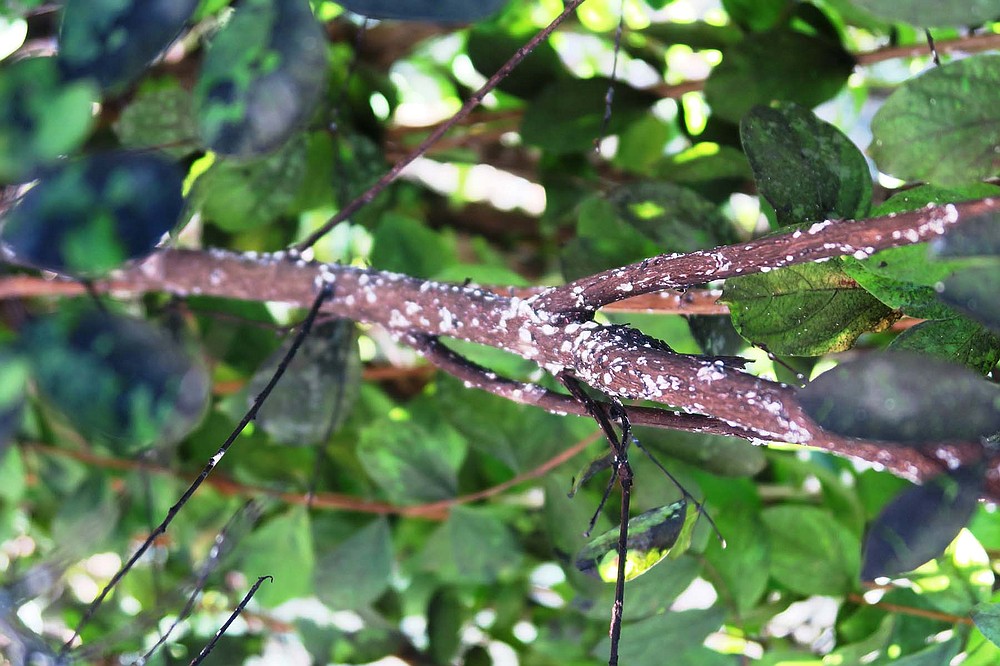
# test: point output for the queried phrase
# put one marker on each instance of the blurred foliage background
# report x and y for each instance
(403, 517)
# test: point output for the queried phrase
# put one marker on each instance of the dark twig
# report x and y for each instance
(232, 618)
(474, 100)
(325, 292)
(935, 56)
(609, 96)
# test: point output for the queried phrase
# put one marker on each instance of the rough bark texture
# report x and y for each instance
(554, 327)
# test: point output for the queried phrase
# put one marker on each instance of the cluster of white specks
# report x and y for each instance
(397, 320)
(711, 372)
(327, 275)
(818, 227)
(948, 457)
(447, 320)
(626, 287)
(216, 277)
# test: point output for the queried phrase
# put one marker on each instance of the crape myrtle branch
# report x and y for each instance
(555, 329)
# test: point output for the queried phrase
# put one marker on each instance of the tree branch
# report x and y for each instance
(554, 328)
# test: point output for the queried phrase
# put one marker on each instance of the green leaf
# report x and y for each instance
(931, 13)
(975, 248)
(241, 195)
(942, 126)
(444, 11)
(755, 14)
(750, 74)
(567, 116)
(445, 615)
(987, 619)
(405, 245)
(811, 552)
(644, 643)
(410, 463)
(956, 339)
(356, 572)
(90, 216)
(282, 548)
(318, 389)
(119, 381)
(472, 547)
(13, 382)
(904, 397)
(743, 565)
(160, 118)
(651, 535)
(113, 41)
(640, 219)
(919, 523)
(806, 168)
(803, 310)
(973, 291)
(597, 464)
(725, 456)
(262, 77)
(42, 117)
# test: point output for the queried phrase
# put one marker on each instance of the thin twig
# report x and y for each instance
(232, 618)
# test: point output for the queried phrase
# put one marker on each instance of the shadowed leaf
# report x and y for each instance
(262, 77)
(357, 571)
(119, 381)
(987, 619)
(811, 552)
(444, 11)
(956, 339)
(90, 216)
(920, 523)
(410, 463)
(930, 13)
(807, 169)
(903, 397)
(113, 42)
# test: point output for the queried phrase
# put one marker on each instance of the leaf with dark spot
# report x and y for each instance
(903, 397)
(651, 537)
(919, 523)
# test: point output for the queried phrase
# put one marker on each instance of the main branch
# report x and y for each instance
(555, 328)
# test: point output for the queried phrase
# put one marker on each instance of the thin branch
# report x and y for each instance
(232, 618)
(910, 610)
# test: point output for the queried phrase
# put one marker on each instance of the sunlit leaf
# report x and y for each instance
(750, 74)
(358, 571)
(444, 11)
(318, 389)
(112, 42)
(806, 168)
(90, 216)
(919, 524)
(650, 641)
(262, 77)
(942, 126)
(120, 381)
(904, 397)
(42, 118)
(804, 310)
(930, 13)
(651, 535)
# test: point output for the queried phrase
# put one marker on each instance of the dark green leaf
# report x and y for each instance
(755, 14)
(445, 11)
(956, 339)
(647, 642)
(651, 535)
(806, 168)
(703, 162)
(889, 397)
(942, 126)
(161, 118)
(743, 565)
(594, 466)
(117, 379)
(751, 73)
(566, 117)
(973, 291)
(42, 118)
(811, 552)
(445, 615)
(282, 548)
(935, 655)
(92, 215)
(920, 522)
(13, 381)
(804, 310)
(930, 13)
(241, 195)
(489, 48)
(987, 619)
(696, 34)
(725, 456)
(112, 42)
(262, 77)
(410, 463)
(318, 389)
(405, 245)
(358, 571)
